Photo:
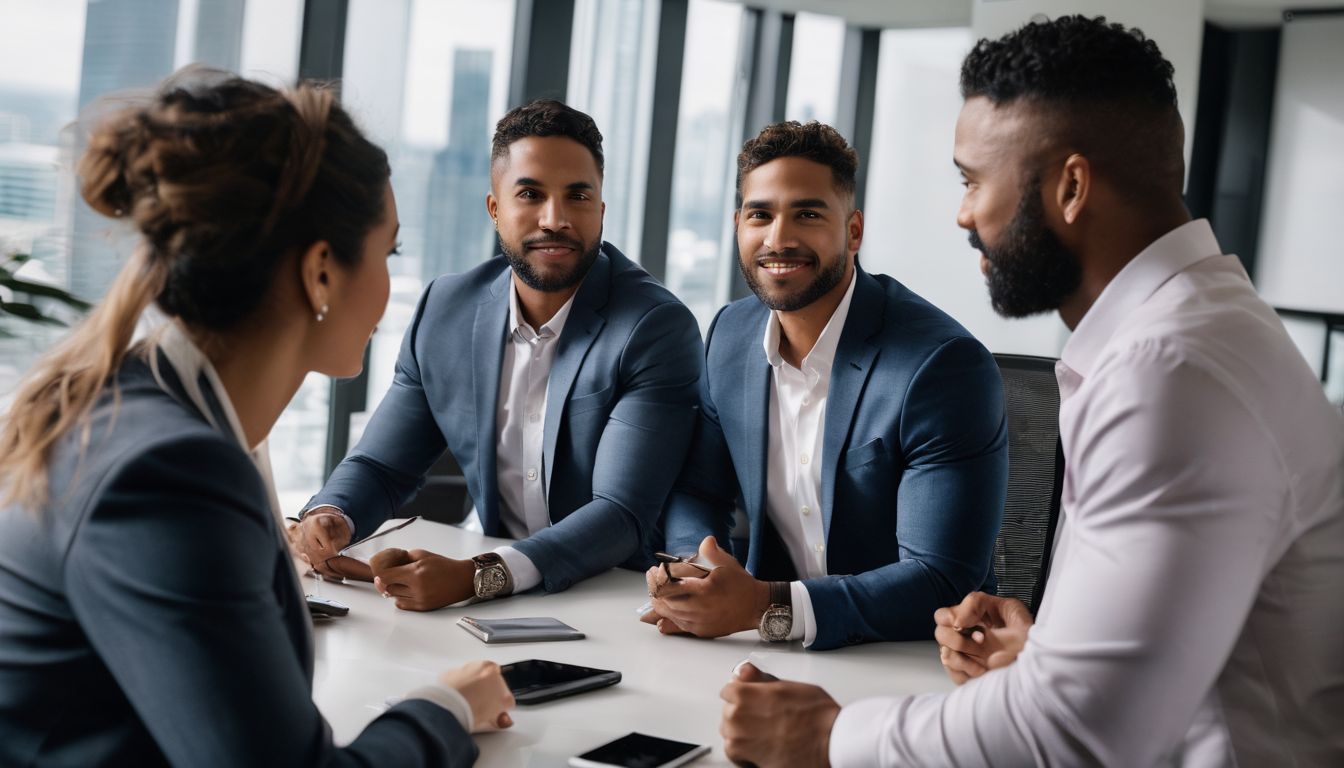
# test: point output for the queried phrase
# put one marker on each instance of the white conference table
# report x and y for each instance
(669, 687)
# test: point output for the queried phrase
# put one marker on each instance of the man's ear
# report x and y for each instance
(854, 231)
(492, 207)
(1075, 185)
(315, 272)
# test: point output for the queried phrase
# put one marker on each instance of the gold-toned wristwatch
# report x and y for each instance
(492, 578)
(777, 621)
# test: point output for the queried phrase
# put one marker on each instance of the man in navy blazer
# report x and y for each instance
(860, 428)
(562, 377)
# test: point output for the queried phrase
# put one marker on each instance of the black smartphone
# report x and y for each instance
(322, 608)
(637, 750)
(534, 681)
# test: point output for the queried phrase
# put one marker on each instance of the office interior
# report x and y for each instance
(675, 86)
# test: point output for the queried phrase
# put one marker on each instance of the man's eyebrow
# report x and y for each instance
(962, 166)
(528, 181)
(806, 202)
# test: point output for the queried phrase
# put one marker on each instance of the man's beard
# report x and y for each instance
(829, 277)
(535, 280)
(1030, 270)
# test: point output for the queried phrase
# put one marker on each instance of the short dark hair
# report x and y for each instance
(1108, 86)
(813, 141)
(546, 117)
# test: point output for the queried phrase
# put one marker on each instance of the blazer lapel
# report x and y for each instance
(755, 394)
(581, 330)
(487, 358)
(849, 373)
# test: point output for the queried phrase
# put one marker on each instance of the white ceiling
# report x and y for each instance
(947, 13)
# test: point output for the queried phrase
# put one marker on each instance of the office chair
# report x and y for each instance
(1035, 477)
(443, 498)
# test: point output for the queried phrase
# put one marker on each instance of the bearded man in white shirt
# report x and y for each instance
(1193, 614)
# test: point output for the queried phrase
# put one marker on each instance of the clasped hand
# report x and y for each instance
(420, 580)
(980, 633)
(725, 601)
(318, 541)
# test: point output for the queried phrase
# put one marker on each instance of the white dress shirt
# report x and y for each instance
(793, 463)
(521, 420)
(1194, 612)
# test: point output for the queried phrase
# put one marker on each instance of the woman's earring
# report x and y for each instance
(322, 313)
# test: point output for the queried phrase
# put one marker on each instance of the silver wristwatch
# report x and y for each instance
(777, 621)
(492, 578)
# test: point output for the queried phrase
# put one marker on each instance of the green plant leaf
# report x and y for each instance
(41, 289)
(27, 312)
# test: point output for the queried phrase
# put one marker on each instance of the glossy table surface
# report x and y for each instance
(669, 687)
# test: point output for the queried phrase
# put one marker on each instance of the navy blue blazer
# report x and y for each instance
(914, 463)
(620, 407)
(149, 614)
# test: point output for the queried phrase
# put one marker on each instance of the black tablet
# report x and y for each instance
(534, 681)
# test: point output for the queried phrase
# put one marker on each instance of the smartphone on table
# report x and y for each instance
(534, 681)
(638, 750)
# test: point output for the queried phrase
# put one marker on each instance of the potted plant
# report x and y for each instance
(20, 288)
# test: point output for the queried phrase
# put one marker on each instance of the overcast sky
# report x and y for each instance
(42, 43)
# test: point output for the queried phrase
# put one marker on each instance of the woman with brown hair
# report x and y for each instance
(149, 608)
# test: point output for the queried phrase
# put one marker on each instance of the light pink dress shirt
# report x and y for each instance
(1195, 610)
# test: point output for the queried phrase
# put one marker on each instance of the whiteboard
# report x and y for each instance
(1301, 257)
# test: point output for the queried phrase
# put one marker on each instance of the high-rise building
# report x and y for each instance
(612, 87)
(28, 183)
(219, 33)
(457, 231)
(127, 44)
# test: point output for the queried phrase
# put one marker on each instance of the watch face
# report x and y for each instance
(489, 581)
(777, 625)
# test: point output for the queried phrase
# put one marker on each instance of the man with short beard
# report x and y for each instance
(561, 376)
(861, 428)
(1193, 615)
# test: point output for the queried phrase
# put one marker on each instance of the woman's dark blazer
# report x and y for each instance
(149, 613)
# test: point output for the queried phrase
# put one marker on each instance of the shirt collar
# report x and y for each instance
(822, 354)
(1167, 256)
(200, 381)
(555, 325)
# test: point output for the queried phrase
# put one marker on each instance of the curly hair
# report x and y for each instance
(813, 141)
(546, 117)
(1107, 89)
(1071, 59)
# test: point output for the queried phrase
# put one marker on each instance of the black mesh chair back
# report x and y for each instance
(1035, 477)
(443, 498)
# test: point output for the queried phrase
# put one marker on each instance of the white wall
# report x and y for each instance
(914, 191)
(1177, 26)
(1301, 257)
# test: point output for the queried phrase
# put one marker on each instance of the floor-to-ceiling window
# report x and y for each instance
(699, 241)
